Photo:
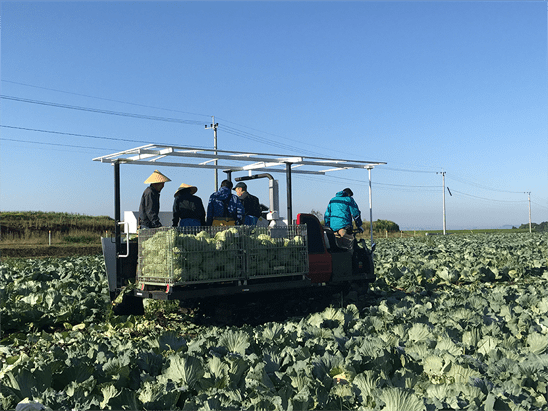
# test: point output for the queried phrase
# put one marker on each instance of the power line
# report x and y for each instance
(253, 137)
(53, 144)
(86, 136)
(355, 181)
(488, 199)
(364, 183)
(233, 131)
(386, 184)
(408, 171)
(102, 98)
(380, 185)
(227, 129)
(403, 187)
(101, 111)
(73, 134)
(482, 186)
(292, 140)
(540, 205)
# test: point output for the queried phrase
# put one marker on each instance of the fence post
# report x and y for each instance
(49, 238)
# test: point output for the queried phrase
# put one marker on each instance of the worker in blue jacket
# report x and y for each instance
(224, 208)
(340, 211)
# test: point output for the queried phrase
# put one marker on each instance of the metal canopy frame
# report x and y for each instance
(235, 161)
(181, 157)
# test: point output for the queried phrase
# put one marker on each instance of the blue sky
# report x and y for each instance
(459, 87)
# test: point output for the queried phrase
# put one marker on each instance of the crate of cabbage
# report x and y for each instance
(178, 256)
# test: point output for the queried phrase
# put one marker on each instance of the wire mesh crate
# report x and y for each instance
(156, 263)
(275, 252)
(177, 256)
(189, 255)
(210, 254)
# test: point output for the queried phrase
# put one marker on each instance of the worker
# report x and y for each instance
(339, 214)
(188, 209)
(224, 208)
(149, 208)
(252, 208)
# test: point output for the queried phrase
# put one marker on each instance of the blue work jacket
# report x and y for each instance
(341, 210)
(223, 203)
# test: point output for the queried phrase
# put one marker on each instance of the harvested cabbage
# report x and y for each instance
(173, 257)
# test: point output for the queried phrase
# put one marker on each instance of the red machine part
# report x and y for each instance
(319, 259)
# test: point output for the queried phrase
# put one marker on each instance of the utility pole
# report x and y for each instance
(214, 126)
(443, 178)
(529, 199)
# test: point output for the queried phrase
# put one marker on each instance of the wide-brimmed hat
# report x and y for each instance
(157, 177)
(184, 186)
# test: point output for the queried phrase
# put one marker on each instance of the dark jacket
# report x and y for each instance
(341, 210)
(187, 205)
(223, 203)
(149, 208)
(251, 204)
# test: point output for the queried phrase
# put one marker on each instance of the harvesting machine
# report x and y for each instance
(284, 261)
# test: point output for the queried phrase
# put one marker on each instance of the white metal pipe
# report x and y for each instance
(443, 203)
(529, 199)
(370, 208)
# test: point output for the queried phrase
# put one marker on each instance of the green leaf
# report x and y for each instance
(150, 362)
(219, 371)
(235, 341)
(487, 344)
(419, 332)
(156, 395)
(397, 399)
(21, 382)
(171, 340)
(433, 365)
(367, 382)
(462, 374)
(537, 343)
(109, 392)
(186, 371)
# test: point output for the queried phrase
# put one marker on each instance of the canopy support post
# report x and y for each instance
(370, 208)
(117, 216)
(289, 205)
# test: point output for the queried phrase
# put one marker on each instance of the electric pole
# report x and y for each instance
(214, 126)
(443, 178)
(529, 199)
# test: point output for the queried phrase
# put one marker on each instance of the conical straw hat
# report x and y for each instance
(157, 177)
(184, 186)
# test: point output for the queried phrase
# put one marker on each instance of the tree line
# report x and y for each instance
(535, 227)
(378, 226)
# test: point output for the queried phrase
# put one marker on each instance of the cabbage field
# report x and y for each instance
(458, 323)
